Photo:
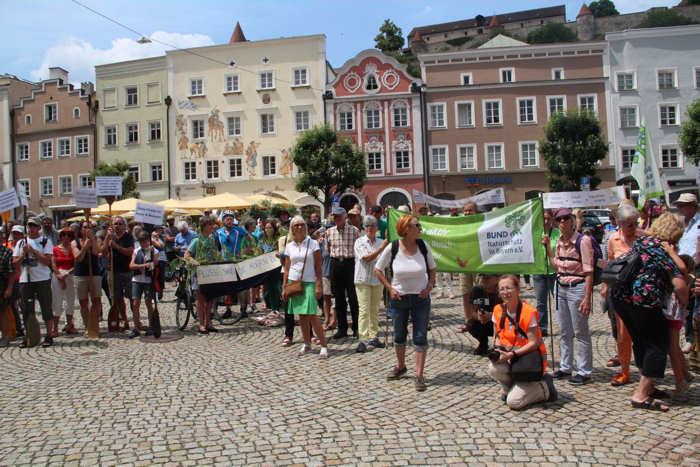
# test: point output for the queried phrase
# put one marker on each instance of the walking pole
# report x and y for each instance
(93, 324)
(549, 308)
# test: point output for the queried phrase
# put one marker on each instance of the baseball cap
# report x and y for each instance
(688, 198)
(338, 211)
(34, 221)
(18, 228)
(562, 212)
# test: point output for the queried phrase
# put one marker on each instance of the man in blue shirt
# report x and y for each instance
(687, 204)
(183, 238)
(230, 236)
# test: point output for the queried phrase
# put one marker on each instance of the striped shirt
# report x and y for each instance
(341, 242)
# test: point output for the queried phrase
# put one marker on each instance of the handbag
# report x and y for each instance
(527, 367)
(621, 271)
(296, 287)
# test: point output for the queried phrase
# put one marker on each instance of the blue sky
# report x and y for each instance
(47, 33)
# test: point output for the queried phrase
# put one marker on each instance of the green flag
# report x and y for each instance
(645, 170)
(504, 241)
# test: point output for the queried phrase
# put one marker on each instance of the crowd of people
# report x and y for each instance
(345, 263)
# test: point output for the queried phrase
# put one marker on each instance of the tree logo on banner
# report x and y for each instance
(514, 222)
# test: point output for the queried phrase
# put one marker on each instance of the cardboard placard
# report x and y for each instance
(216, 273)
(584, 199)
(8, 200)
(108, 186)
(85, 198)
(494, 196)
(149, 213)
(22, 195)
(258, 265)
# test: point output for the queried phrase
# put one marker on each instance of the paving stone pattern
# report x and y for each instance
(239, 397)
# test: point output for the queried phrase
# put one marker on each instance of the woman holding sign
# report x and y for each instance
(87, 249)
(203, 249)
(413, 266)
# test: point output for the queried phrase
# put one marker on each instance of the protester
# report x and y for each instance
(203, 249)
(483, 298)
(7, 277)
(355, 218)
(62, 284)
(33, 255)
(288, 316)
(183, 238)
(675, 313)
(341, 239)
(103, 263)
(249, 248)
(466, 281)
(16, 235)
(376, 211)
(369, 289)
(687, 204)
(143, 262)
(413, 276)
(170, 233)
(273, 284)
(158, 242)
(574, 263)
(620, 243)
(86, 251)
(314, 223)
(544, 283)
(640, 305)
(230, 236)
(303, 262)
(47, 229)
(517, 334)
(121, 243)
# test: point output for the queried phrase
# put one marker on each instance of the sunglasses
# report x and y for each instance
(565, 218)
(417, 225)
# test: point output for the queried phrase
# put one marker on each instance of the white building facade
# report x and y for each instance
(653, 75)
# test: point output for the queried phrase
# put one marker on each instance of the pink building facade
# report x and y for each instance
(377, 105)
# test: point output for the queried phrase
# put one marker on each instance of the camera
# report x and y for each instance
(494, 354)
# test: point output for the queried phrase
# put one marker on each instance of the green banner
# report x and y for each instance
(506, 240)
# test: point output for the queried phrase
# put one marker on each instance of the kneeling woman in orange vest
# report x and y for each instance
(517, 335)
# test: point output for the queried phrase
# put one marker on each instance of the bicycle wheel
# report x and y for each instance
(182, 312)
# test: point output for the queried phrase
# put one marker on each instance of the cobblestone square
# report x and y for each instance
(239, 397)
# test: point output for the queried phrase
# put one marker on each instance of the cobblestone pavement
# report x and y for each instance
(239, 397)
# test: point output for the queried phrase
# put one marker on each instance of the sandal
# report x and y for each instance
(659, 394)
(613, 362)
(302, 350)
(650, 404)
(396, 373)
(324, 352)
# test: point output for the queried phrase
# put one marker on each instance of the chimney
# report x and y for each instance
(56, 72)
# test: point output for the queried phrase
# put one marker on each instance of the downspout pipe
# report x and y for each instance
(168, 101)
(424, 124)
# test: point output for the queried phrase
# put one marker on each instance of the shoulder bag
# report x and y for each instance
(294, 288)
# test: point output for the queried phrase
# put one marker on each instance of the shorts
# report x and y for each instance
(82, 289)
(466, 283)
(31, 291)
(327, 286)
(141, 289)
(122, 285)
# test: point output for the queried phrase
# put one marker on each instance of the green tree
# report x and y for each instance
(663, 18)
(117, 169)
(689, 137)
(390, 38)
(328, 163)
(572, 146)
(603, 8)
(552, 32)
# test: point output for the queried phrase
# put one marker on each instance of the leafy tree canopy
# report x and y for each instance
(390, 38)
(664, 18)
(117, 169)
(572, 146)
(603, 8)
(328, 163)
(552, 32)
(689, 137)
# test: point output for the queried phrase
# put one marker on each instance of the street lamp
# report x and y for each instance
(144, 40)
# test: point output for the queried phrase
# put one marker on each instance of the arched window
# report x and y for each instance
(371, 83)
(27, 120)
(76, 112)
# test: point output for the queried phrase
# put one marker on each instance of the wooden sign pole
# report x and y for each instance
(93, 324)
(113, 315)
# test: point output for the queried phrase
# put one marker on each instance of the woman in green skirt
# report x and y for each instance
(303, 262)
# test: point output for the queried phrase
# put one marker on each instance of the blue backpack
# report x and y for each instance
(597, 255)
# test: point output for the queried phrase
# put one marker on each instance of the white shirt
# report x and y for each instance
(39, 271)
(364, 271)
(143, 276)
(296, 259)
(410, 273)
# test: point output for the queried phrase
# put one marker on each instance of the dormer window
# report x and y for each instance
(371, 83)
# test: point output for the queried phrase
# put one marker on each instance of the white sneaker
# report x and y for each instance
(324, 352)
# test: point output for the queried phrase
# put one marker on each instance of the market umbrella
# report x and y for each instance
(169, 204)
(260, 198)
(118, 207)
(221, 201)
(184, 212)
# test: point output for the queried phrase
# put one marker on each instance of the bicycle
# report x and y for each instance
(185, 303)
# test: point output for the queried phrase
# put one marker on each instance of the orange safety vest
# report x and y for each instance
(509, 335)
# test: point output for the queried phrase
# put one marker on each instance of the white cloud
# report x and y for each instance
(79, 57)
(634, 6)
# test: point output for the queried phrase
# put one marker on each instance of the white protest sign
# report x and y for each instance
(505, 236)
(8, 200)
(584, 199)
(22, 195)
(216, 273)
(85, 198)
(495, 196)
(149, 213)
(258, 265)
(108, 186)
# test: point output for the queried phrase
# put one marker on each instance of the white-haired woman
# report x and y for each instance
(302, 261)
(369, 289)
(183, 238)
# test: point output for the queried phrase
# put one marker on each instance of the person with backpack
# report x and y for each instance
(204, 249)
(413, 277)
(574, 260)
(33, 255)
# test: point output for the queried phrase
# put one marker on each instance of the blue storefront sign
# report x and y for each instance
(497, 180)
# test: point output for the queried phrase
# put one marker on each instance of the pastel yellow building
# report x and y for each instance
(238, 109)
(132, 121)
